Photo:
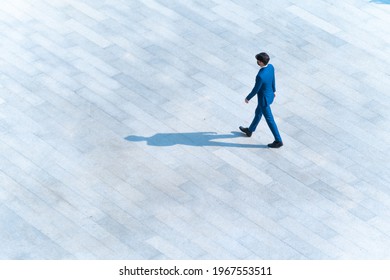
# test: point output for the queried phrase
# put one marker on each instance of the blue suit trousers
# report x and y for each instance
(266, 111)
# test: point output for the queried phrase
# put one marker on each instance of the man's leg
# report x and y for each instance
(271, 122)
(256, 119)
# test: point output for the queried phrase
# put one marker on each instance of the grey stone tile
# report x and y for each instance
(268, 247)
(326, 249)
(20, 246)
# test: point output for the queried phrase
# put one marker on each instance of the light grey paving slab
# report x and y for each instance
(230, 158)
(313, 19)
(324, 246)
(167, 248)
(310, 221)
(23, 241)
(176, 231)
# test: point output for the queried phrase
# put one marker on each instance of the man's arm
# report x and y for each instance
(273, 84)
(255, 89)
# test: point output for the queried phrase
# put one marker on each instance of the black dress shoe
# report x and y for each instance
(246, 131)
(276, 144)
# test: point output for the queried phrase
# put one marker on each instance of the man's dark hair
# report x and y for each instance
(263, 57)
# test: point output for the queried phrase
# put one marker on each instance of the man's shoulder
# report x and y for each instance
(269, 68)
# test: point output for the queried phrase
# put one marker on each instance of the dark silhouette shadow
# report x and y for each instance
(192, 139)
(380, 1)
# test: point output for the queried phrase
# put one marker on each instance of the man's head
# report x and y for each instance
(262, 59)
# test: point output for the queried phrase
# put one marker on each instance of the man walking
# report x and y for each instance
(265, 90)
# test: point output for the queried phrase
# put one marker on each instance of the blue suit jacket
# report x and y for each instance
(265, 86)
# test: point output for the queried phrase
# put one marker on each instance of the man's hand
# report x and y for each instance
(246, 100)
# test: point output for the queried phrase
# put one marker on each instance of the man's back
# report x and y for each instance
(267, 76)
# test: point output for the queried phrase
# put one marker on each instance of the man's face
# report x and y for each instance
(261, 64)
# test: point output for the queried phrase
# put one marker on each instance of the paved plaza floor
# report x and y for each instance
(119, 130)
